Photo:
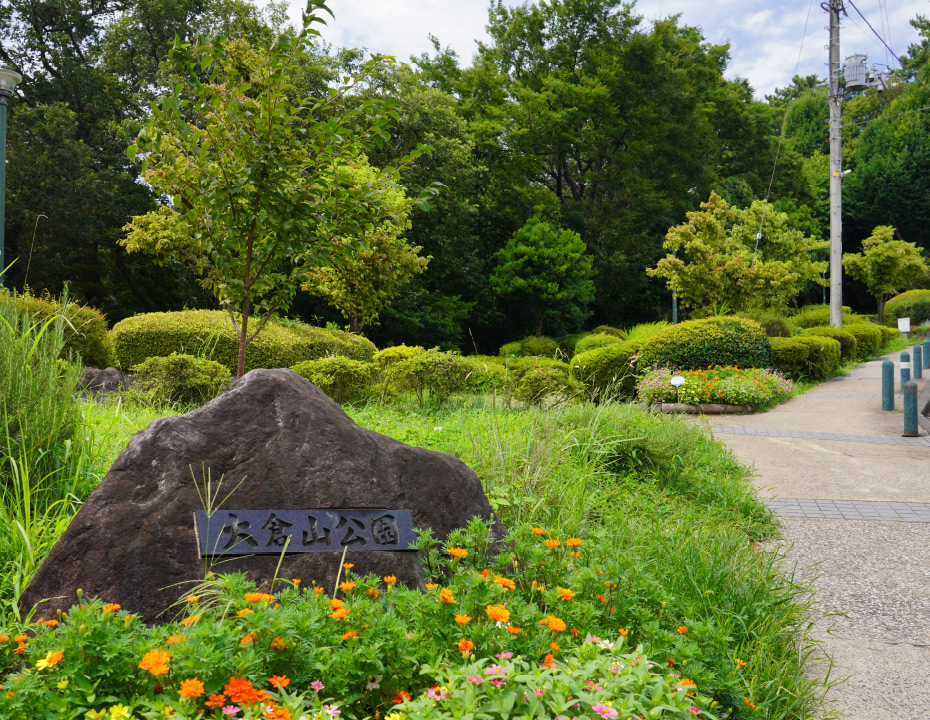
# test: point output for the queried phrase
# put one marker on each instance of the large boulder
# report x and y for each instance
(95, 382)
(276, 442)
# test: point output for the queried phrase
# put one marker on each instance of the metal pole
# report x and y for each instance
(905, 367)
(926, 344)
(836, 168)
(3, 98)
(887, 385)
(910, 409)
(918, 362)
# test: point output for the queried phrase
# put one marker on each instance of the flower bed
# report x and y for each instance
(754, 387)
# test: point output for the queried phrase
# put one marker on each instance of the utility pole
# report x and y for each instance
(835, 7)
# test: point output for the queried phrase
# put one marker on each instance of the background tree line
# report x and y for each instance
(574, 110)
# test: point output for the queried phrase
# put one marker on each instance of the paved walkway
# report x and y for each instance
(854, 498)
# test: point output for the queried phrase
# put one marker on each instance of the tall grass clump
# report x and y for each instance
(43, 448)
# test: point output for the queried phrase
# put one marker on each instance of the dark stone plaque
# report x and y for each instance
(269, 532)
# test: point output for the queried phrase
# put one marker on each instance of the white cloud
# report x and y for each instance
(764, 35)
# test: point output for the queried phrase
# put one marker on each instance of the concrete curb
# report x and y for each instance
(708, 409)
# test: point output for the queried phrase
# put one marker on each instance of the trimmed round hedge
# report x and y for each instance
(85, 333)
(208, 333)
(609, 371)
(849, 347)
(819, 316)
(532, 346)
(811, 356)
(868, 337)
(698, 344)
(343, 379)
(914, 304)
(595, 340)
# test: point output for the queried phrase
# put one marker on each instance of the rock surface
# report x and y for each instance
(95, 382)
(277, 442)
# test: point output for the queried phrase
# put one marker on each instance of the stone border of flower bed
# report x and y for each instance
(707, 409)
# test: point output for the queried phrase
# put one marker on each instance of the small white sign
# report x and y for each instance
(904, 324)
(677, 381)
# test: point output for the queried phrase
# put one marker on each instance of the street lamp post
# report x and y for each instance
(8, 82)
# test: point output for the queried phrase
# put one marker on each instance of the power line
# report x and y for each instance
(882, 41)
(781, 137)
(884, 116)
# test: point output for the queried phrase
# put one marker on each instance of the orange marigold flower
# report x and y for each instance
(193, 598)
(250, 637)
(339, 613)
(10, 695)
(258, 597)
(602, 598)
(111, 607)
(485, 573)
(573, 542)
(21, 638)
(296, 581)
(671, 663)
(318, 590)
(682, 630)
(624, 632)
(687, 683)
(432, 586)
(555, 646)
(175, 639)
(446, 596)
(280, 681)
(215, 700)
(190, 620)
(278, 713)
(373, 592)
(350, 634)
(555, 624)
(505, 582)
(401, 696)
(279, 643)
(549, 660)
(466, 646)
(498, 613)
(21, 650)
(462, 619)
(348, 566)
(390, 579)
(575, 632)
(51, 660)
(566, 593)
(538, 531)
(576, 554)
(740, 663)
(457, 552)
(156, 662)
(51, 623)
(335, 604)
(245, 611)
(4, 638)
(514, 630)
(240, 690)
(191, 688)
(347, 586)
(551, 543)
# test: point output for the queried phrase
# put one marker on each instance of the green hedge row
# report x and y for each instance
(695, 344)
(914, 304)
(86, 330)
(209, 334)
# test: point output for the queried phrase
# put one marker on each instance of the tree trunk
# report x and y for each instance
(881, 309)
(355, 325)
(243, 337)
(540, 315)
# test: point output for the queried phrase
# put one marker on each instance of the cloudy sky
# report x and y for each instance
(765, 36)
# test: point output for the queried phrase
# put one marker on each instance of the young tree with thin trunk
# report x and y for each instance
(253, 170)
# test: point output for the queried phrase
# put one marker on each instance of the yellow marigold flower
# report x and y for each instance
(446, 596)
(462, 619)
(296, 581)
(111, 607)
(156, 662)
(175, 639)
(50, 660)
(457, 552)
(505, 582)
(193, 598)
(555, 624)
(538, 531)
(566, 593)
(390, 579)
(191, 688)
(339, 614)
(258, 597)
(279, 681)
(466, 646)
(118, 712)
(551, 543)
(190, 620)
(350, 634)
(62, 684)
(498, 613)
(514, 630)
(432, 586)
(573, 542)
(245, 611)
(346, 586)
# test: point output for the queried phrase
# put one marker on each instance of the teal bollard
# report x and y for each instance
(887, 385)
(918, 362)
(910, 409)
(905, 367)
(926, 344)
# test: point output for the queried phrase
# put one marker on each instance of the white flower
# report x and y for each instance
(374, 682)
(437, 428)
